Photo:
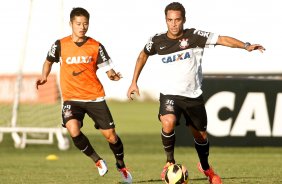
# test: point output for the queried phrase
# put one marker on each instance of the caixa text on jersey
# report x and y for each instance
(176, 57)
(78, 59)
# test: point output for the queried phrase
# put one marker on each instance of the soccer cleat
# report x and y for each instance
(165, 169)
(125, 174)
(212, 177)
(102, 167)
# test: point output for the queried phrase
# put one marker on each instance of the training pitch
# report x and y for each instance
(139, 129)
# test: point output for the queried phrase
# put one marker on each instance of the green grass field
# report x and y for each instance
(139, 129)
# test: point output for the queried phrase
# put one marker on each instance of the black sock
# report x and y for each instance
(83, 144)
(117, 149)
(168, 140)
(203, 153)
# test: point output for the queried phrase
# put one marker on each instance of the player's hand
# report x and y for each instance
(255, 47)
(133, 89)
(40, 82)
(113, 75)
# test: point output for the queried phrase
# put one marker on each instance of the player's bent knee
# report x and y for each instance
(201, 138)
(110, 135)
(112, 139)
(168, 126)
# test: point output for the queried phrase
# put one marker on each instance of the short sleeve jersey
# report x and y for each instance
(181, 70)
(78, 66)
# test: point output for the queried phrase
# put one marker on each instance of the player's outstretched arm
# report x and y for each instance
(47, 66)
(141, 61)
(234, 43)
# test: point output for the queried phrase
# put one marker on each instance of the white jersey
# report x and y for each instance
(181, 70)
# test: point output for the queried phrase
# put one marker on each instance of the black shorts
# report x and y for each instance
(97, 111)
(193, 110)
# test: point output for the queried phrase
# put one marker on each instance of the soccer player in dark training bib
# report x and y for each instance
(80, 57)
(181, 52)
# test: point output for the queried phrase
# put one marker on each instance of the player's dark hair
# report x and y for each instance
(177, 7)
(79, 12)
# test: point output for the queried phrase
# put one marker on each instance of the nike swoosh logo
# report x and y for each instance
(77, 73)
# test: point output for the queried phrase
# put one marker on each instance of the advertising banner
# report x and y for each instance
(27, 91)
(242, 111)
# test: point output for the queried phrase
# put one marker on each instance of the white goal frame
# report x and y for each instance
(20, 134)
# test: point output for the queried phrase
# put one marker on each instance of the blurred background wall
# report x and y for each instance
(124, 27)
(242, 90)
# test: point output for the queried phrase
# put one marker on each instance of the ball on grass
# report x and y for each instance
(176, 174)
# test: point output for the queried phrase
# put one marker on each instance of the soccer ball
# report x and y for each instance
(176, 174)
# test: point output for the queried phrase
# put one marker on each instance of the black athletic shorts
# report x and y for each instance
(193, 110)
(97, 111)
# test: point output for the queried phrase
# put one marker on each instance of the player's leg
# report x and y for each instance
(196, 117)
(168, 135)
(168, 140)
(116, 146)
(80, 140)
(102, 117)
(202, 146)
(72, 120)
(168, 115)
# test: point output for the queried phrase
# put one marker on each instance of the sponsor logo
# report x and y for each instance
(176, 57)
(161, 48)
(253, 115)
(202, 33)
(102, 54)
(111, 123)
(77, 73)
(52, 50)
(119, 154)
(183, 43)
(78, 59)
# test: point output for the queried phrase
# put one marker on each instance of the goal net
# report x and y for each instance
(31, 116)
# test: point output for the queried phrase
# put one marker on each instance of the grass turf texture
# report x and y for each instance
(139, 130)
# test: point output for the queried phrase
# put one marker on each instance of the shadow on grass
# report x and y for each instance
(226, 178)
(146, 181)
(159, 180)
(192, 179)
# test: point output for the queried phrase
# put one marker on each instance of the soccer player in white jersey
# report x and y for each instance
(181, 52)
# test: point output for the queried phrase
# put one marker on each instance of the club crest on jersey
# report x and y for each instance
(67, 111)
(169, 105)
(183, 43)
(149, 45)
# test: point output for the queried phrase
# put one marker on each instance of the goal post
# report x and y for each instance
(31, 116)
